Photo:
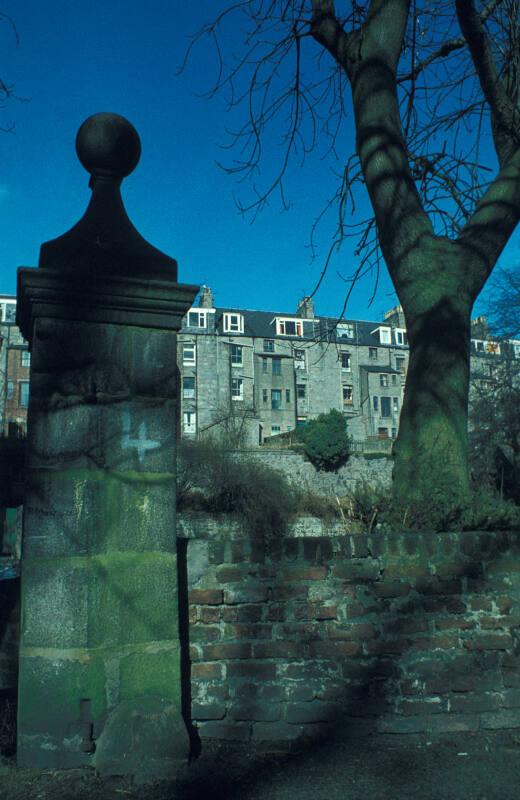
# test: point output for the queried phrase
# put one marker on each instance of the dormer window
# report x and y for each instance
(233, 323)
(400, 336)
(345, 331)
(197, 319)
(385, 335)
(289, 327)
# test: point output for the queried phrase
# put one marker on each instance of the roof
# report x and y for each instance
(260, 324)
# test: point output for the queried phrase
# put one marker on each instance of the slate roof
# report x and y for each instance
(261, 325)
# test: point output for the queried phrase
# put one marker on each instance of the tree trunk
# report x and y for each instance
(431, 453)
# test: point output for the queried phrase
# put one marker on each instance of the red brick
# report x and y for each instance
(195, 652)
(491, 641)
(451, 624)
(500, 622)
(333, 649)
(209, 613)
(481, 604)
(405, 625)
(252, 670)
(209, 597)
(215, 652)
(360, 630)
(247, 631)
(204, 633)
(277, 650)
(276, 613)
(284, 592)
(381, 646)
(405, 570)
(301, 631)
(227, 574)
(504, 604)
(305, 573)
(207, 671)
(446, 642)
(324, 612)
(356, 610)
(192, 615)
(391, 589)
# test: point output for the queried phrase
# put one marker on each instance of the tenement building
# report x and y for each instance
(253, 375)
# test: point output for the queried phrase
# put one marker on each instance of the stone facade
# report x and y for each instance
(260, 374)
(255, 382)
(15, 363)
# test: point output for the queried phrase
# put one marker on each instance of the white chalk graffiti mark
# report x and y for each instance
(141, 444)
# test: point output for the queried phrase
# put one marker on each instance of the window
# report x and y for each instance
(399, 365)
(264, 365)
(345, 361)
(299, 359)
(289, 327)
(516, 350)
(275, 429)
(394, 380)
(382, 433)
(237, 389)
(188, 387)
(375, 401)
(10, 390)
(383, 379)
(347, 395)
(287, 395)
(26, 358)
(23, 393)
(8, 312)
(385, 335)
(276, 398)
(277, 365)
(372, 352)
(400, 336)
(493, 347)
(264, 395)
(236, 355)
(188, 354)
(395, 404)
(394, 433)
(233, 323)
(268, 346)
(301, 391)
(196, 319)
(385, 407)
(189, 422)
(345, 331)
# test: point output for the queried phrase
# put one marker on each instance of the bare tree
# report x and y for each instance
(503, 306)
(414, 88)
(7, 90)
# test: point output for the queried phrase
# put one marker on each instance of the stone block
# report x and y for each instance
(127, 605)
(152, 671)
(55, 600)
(497, 720)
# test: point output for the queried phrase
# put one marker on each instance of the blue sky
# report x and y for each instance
(74, 59)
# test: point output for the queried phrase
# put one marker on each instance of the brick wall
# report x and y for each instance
(381, 634)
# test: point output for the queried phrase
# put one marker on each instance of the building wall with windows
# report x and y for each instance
(257, 374)
(15, 361)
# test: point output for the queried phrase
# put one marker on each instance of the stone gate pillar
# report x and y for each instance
(99, 678)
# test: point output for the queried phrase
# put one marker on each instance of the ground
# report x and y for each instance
(480, 767)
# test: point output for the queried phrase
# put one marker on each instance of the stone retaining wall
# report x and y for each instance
(372, 470)
(388, 633)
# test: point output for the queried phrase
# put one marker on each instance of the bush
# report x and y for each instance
(326, 441)
(211, 479)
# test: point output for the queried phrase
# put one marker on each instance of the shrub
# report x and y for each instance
(211, 479)
(326, 441)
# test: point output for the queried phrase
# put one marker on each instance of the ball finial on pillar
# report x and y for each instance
(108, 145)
